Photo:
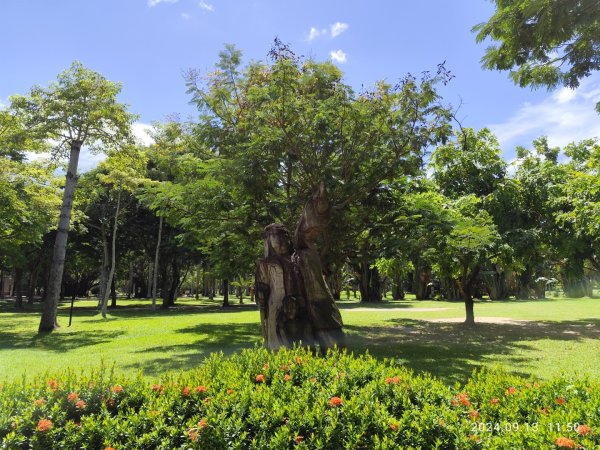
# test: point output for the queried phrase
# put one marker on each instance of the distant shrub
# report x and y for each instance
(292, 399)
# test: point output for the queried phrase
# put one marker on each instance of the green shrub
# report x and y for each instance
(292, 399)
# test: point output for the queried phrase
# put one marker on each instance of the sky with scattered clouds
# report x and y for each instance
(148, 44)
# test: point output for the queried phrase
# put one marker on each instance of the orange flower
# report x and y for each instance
(560, 401)
(394, 425)
(463, 398)
(202, 424)
(564, 442)
(200, 389)
(157, 387)
(260, 378)
(473, 414)
(53, 384)
(335, 401)
(442, 423)
(44, 425)
(511, 390)
(117, 389)
(494, 401)
(109, 448)
(193, 434)
(298, 439)
(286, 377)
(39, 402)
(583, 430)
(285, 368)
(185, 391)
(266, 366)
(230, 391)
(544, 411)
(72, 396)
(299, 360)
(80, 404)
(392, 380)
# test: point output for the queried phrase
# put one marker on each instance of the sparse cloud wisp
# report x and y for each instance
(206, 6)
(338, 28)
(152, 3)
(334, 31)
(566, 116)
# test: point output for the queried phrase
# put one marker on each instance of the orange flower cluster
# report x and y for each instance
(72, 396)
(563, 442)
(230, 391)
(392, 380)
(109, 448)
(266, 366)
(157, 388)
(335, 402)
(200, 389)
(561, 401)
(117, 389)
(53, 384)
(44, 425)
(286, 377)
(39, 402)
(80, 404)
(473, 414)
(285, 368)
(260, 378)
(462, 398)
(584, 430)
(494, 401)
(394, 425)
(511, 390)
(298, 439)
(185, 391)
(202, 424)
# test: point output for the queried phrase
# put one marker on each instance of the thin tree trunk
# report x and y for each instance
(130, 280)
(149, 285)
(18, 290)
(113, 257)
(226, 292)
(155, 274)
(48, 321)
(104, 269)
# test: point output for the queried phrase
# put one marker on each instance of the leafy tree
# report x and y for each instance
(543, 42)
(79, 108)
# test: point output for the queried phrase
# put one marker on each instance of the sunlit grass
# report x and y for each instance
(555, 336)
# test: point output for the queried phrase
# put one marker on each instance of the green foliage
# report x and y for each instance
(81, 106)
(258, 399)
(543, 42)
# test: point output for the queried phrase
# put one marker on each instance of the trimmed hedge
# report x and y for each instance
(292, 399)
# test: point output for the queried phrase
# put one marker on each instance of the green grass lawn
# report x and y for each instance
(543, 337)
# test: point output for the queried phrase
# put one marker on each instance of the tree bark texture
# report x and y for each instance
(369, 283)
(48, 321)
(155, 266)
(113, 258)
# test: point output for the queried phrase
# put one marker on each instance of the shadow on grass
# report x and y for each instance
(226, 338)
(451, 351)
(57, 342)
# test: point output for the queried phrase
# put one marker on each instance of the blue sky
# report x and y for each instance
(146, 44)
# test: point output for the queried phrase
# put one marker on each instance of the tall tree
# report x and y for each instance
(544, 42)
(79, 108)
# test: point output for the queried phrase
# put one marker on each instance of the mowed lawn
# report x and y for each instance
(539, 337)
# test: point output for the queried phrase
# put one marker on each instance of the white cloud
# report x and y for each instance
(186, 16)
(152, 3)
(338, 28)
(315, 33)
(334, 31)
(141, 132)
(338, 56)
(565, 116)
(206, 6)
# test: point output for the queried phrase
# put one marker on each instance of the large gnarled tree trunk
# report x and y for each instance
(48, 322)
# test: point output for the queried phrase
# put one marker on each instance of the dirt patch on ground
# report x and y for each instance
(498, 320)
(400, 309)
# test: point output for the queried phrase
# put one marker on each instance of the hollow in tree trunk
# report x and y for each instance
(48, 321)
